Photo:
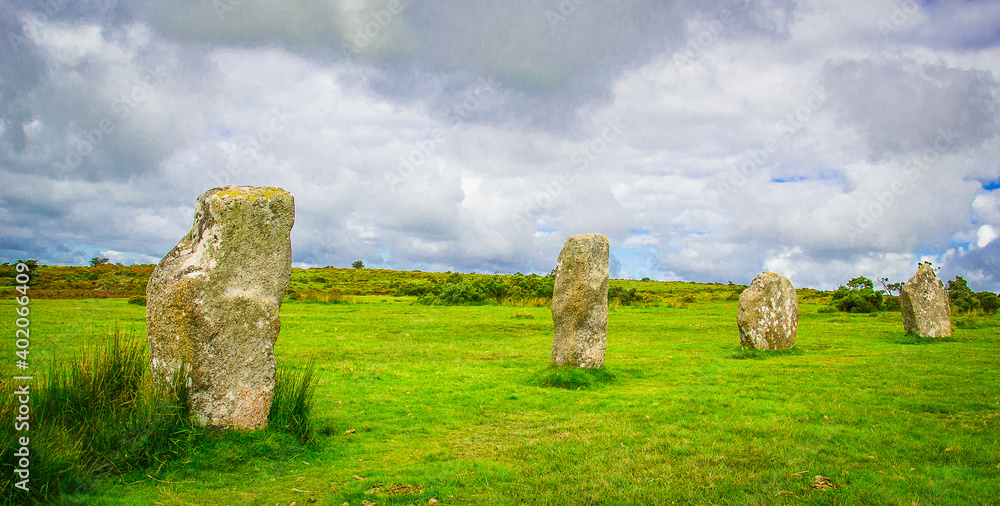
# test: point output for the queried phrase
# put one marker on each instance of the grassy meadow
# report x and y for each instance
(457, 404)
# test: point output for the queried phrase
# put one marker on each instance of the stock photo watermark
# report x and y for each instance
(224, 7)
(425, 150)
(22, 390)
(251, 148)
(372, 26)
(50, 8)
(705, 35)
(563, 11)
(758, 158)
(581, 158)
(901, 15)
(887, 197)
(82, 146)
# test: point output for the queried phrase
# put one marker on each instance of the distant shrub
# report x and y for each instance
(96, 261)
(458, 294)
(859, 296)
(459, 290)
(989, 303)
(962, 298)
(622, 296)
(415, 288)
(319, 296)
(138, 300)
(891, 302)
(358, 264)
(964, 301)
(645, 279)
(735, 291)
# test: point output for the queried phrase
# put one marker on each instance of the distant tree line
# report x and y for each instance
(457, 291)
(860, 296)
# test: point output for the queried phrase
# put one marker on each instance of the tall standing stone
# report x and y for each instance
(768, 313)
(213, 301)
(580, 302)
(924, 304)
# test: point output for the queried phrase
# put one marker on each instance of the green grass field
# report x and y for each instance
(415, 403)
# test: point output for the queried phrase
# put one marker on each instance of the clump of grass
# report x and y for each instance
(572, 378)
(291, 405)
(100, 414)
(745, 352)
(95, 415)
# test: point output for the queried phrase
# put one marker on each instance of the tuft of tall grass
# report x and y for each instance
(94, 415)
(292, 403)
(100, 414)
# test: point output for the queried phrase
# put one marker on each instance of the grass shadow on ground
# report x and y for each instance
(571, 378)
(747, 353)
(916, 339)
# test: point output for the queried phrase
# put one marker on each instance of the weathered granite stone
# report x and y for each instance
(212, 303)
(924, 304)
(580, 302)
(768, 313)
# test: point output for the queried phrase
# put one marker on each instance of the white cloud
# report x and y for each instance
(985, 235)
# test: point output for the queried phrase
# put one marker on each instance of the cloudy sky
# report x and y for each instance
(708, 140)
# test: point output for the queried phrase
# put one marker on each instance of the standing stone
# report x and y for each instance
(580, 302)
(924, 304)
(768, 313)
(212, 304)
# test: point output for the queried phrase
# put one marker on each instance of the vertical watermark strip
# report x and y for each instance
(22, 387)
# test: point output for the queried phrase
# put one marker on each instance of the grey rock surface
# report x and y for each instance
(768, 313)
(580, 302)
(924, 304)
(212, 304)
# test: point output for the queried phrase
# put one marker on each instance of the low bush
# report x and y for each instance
(859, 296)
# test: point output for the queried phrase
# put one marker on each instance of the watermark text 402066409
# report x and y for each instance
(22, 389)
